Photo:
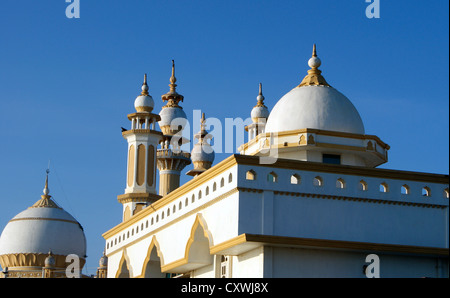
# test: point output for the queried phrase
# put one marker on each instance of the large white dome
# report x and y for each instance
(35, 232)
(41, 229)
(317, 107)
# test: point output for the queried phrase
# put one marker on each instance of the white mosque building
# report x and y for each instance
(304, 198)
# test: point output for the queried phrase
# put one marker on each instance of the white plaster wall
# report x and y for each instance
(331, 218)
(249, 264)
(296, 262)
(113, 264)
(204, 272)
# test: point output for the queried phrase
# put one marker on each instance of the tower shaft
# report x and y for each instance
(142, 140)
(170, 165)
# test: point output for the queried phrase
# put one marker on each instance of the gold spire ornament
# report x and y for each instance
(314, 76)
(172, 97)
(173, 79)
(45, 200)
(145, 86)
(260, 98)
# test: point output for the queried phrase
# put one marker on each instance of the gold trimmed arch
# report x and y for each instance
(154, 246)
(125, 270)
(198, 246)
(197, 251)
(199, 221)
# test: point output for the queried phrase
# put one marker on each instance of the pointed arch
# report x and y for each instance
(153, 261)
(197, 252)
(199, 243)
(125, 270)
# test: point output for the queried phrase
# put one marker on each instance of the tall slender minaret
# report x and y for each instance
(171, 159)
(259, 115)
(143, 140)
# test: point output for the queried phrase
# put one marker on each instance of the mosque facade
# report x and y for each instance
(303, 198)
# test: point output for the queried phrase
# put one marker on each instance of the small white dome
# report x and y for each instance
(41, 229)
(259, 113)
(103, 262)
(50, 261)
(169, 114)
(316, 107)
(144, 103)
(202, 152)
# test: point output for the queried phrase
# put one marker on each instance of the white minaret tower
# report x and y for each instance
(259, 115)
(143, 140)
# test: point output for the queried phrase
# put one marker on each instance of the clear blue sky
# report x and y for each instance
(66, 85)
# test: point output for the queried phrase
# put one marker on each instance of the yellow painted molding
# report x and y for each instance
(228, 244)
(280, 163)
(317, 132)
(33, 260)
(323, 243)
(339, 244)
(143, 115)
(167, 199)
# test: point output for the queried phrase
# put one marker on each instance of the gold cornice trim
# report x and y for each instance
(322, 145)
(280, 163)
(17, 260)
(124, 225)
(341, 244)
(143, 131)
(175, 264)
(317, 132)
(138, 197)
(44, 218)
(228, 244)
(143, 115)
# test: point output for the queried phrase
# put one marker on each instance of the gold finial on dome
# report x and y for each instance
(203, 123)
(145, 86)
(172, 97)
(173, 79)
(314, 76)
(260, 98)
(46, 191)
(45, 200)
